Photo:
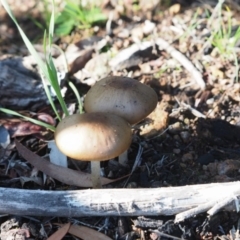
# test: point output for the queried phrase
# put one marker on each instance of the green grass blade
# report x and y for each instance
(65, 63)
(51, 25)
(37, 23)
(45, 42)
(25, 39)
(37, 122)
(55, 85)
(34, 53)
(53, 78)
(74, 89)
(47, 91)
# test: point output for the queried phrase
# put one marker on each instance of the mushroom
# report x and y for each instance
(122, 96)
(93, 137)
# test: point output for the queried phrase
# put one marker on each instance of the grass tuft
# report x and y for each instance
(46, 66)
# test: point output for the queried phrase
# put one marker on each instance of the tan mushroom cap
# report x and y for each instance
(93, 136)
(122, 96)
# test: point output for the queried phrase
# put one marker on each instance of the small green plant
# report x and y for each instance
(224, 38)
(159, 73)
(75, 15)
(192, 26)
(47, 69)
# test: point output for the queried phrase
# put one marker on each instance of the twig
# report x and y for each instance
(129, 52)
(194, 111)
(194, 211)
(222, 204)
(165, 235)
(187, 64)
(136, 163)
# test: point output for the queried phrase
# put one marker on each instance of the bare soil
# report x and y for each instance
(192, 137)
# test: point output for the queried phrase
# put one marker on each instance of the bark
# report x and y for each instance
(20, 85)
(117, 202)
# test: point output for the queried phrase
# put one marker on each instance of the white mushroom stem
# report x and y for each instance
(95, 174)
(123, 158)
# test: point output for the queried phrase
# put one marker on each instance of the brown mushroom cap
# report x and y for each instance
(93, 136)
(123, 96)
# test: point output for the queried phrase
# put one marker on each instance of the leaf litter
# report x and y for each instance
(194, 143)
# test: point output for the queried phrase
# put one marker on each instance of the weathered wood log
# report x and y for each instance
(115, 202)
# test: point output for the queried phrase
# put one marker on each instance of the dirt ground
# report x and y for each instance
(192, 137)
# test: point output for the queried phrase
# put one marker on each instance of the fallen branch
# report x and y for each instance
(184, 61)
(131, 56)
(116, 202)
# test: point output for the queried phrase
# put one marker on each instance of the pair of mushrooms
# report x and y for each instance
(104, 131)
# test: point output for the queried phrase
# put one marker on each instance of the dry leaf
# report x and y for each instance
(18, 127)
(37, 180)
(13, 234)
(46, 118)
(64, 175)
(81, 61)
(86, 233)
(60, 233)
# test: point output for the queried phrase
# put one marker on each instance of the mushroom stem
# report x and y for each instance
(123, 158)
(95, 174)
